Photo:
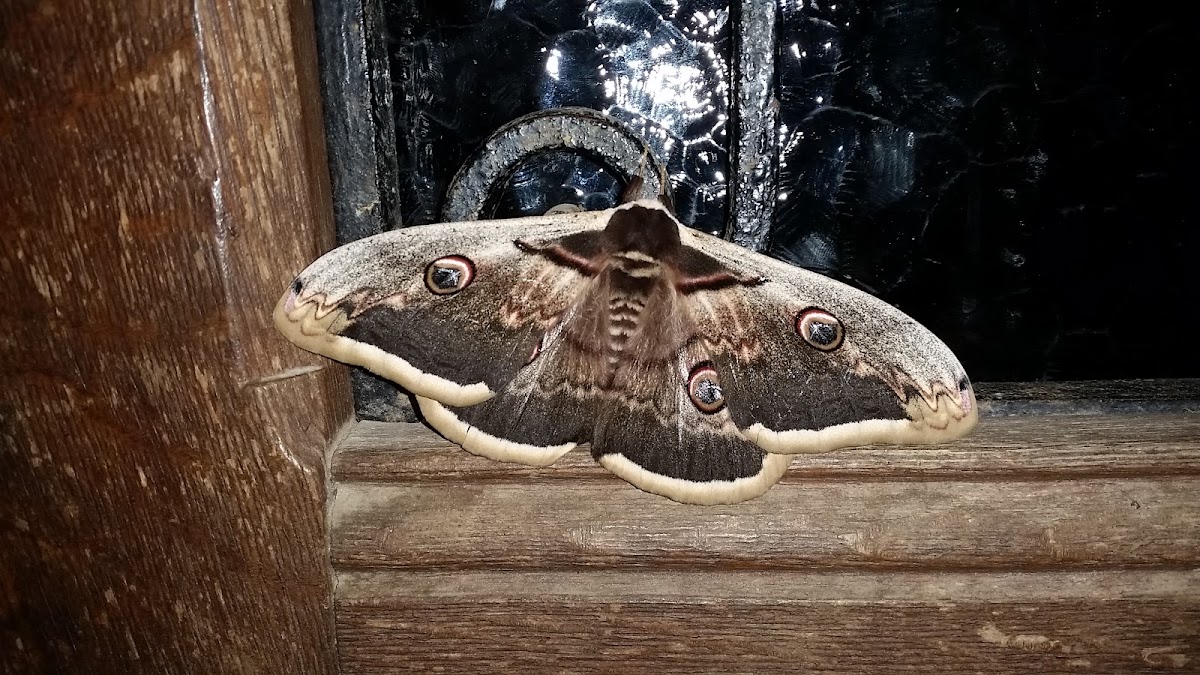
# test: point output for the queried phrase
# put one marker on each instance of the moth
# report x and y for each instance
(693, 367)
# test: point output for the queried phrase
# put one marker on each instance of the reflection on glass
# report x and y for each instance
(463, 69)
(1008, 174)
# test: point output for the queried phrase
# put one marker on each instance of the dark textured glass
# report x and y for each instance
(1017, 176)
(463, 69)
(1014, 175)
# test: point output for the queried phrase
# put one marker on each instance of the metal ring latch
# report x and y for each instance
(580, 129)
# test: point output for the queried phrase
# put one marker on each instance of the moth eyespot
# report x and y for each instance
(704, 388)
(297, 286)
(820, 329)
(449, 275)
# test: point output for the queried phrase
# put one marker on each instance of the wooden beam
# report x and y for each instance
(161, 179)
(703, 622)
(1037, 544)
(1034, 447)
(890, 525)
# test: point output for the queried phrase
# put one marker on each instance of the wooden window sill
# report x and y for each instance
(1038, 542)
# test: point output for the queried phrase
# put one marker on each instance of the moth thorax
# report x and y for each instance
(637, 264)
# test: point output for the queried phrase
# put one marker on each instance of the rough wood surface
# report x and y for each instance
(1090, 396)
(752, 623)
(817, 524)
(1106, 622)
(1021, 448)
(1038, 544)
(161, 179)
(1162, 389)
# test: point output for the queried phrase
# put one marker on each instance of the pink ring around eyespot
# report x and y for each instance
(461, 265)
(808, 319)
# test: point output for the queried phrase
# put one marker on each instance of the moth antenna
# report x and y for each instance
(665, 198)
(634, 187)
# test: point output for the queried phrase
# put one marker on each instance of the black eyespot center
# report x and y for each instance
(449, 275)
(704, 388)
(820, 329)
(822, 333)
(445, 277)
(297, 286)
(708, 392)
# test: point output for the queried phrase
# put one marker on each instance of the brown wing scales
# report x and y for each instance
(683, 359)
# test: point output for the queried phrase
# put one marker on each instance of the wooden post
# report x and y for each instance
(162, 177)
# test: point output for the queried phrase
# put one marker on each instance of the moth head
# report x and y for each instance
(449, 274)
(820, 329)
(642, 227)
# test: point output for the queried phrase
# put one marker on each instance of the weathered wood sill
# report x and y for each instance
(1040, 542)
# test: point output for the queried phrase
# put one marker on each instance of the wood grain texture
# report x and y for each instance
(1066, 544)
(1029, 493)
(1028, 448)
(806, 524)
(1110, 622)
(1090, 396)
(161, 178)
(1161, 389)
